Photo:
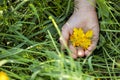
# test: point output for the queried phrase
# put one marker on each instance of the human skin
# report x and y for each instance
(85, 17)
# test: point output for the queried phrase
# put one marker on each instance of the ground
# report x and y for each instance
(30, 50)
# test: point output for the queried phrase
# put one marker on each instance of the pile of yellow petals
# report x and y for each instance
(81, 39)
(3, 76)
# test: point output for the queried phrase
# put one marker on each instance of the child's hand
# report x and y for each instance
(85, 18)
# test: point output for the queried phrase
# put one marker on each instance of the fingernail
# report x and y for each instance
(80, 54)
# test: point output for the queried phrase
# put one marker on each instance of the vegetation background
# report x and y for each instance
(29, 46)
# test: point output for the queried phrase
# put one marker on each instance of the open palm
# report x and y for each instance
(87, 20)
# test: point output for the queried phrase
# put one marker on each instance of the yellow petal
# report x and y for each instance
(75, 30)
(89, 34)
(3, 76)
(79, 39)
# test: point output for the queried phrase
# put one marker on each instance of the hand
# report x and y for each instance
(86, 19)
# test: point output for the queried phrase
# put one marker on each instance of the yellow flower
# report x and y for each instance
(81, 39)
(3, 76)
(89, 34)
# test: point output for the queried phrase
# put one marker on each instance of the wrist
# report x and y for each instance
(85, 5)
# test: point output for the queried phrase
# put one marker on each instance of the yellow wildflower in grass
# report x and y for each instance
(3, 76)
(81, 39)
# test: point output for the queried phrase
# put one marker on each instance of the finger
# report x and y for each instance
(92, 46)
(74, 51)
(64, 36)
(90, 50)
(80, 52)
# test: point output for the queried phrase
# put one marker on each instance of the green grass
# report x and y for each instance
(29, 47)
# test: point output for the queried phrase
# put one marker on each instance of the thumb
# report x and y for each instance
(64, 36)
